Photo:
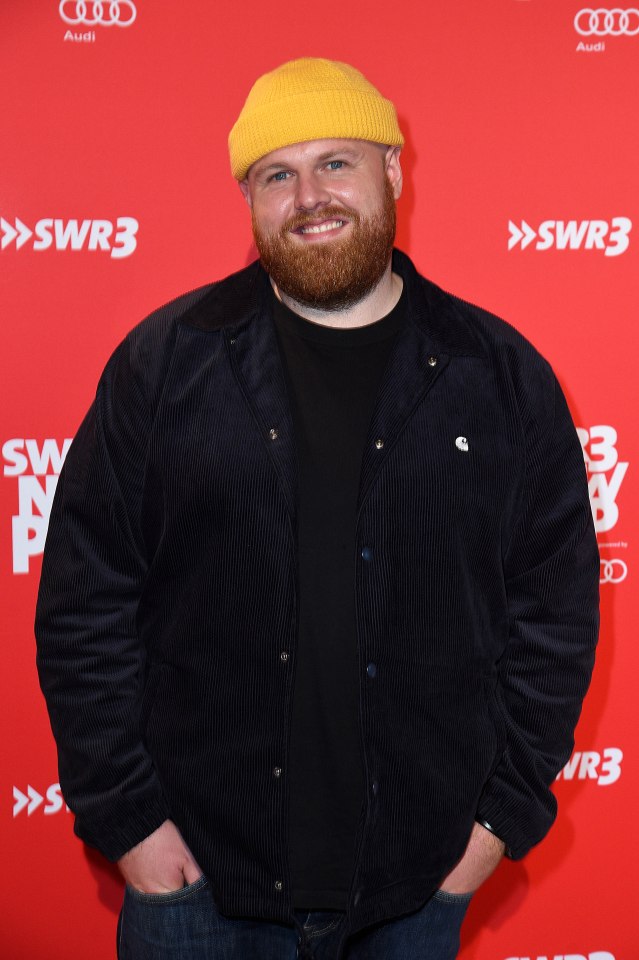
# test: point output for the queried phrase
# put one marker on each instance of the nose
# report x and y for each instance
(310, 194)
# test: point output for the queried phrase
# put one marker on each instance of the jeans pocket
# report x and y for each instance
(176, 925)
(171, 896)
(453, 898)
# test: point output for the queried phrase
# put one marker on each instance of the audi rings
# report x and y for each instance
(613, 571)
(607, 23)
(119, 13)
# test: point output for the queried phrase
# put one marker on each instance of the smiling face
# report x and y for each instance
(323, 216)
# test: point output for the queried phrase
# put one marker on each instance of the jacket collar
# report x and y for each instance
(439, 315)
(232, 302)
(243, 296)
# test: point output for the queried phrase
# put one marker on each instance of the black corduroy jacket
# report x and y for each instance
(166, 619)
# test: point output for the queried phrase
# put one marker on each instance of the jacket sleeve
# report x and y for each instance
(90, 659)
(551, 570)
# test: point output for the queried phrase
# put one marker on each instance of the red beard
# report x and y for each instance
(339, 273)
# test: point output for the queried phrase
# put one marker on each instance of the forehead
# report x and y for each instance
(313, 151)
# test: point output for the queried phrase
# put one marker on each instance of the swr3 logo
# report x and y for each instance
(36, 467)
(597, 955)
(118, 239)
(611, 237)
(600, 454)
(590, 765)
(32, 800)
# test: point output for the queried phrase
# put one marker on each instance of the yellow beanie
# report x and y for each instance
(309, 99)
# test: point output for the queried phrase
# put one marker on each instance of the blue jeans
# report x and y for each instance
(185, 925)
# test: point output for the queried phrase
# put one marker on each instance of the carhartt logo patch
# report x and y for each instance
(462, 444)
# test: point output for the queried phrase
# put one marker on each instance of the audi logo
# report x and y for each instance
(607, 23)
(119, 13)
(613, 571)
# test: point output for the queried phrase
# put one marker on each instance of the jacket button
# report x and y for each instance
(284, 656)
(375, 787)
(279, 886)
(367, 553)
(432, 361)
(273, 433)
(379, 443)
(371, 670)
(277, 772)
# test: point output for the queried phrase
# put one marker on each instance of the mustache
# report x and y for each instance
(327, 213)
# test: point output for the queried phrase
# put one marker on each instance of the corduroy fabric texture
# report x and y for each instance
(169, 594)
(309, 99)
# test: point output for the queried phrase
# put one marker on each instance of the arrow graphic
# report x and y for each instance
(33, 799)
(526, 234)
(21, 231)
(20, 801)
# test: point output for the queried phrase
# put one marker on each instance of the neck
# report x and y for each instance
(375, 305)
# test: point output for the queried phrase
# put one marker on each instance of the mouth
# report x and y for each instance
(320, 228)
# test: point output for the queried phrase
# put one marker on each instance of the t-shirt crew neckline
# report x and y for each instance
(387, 326)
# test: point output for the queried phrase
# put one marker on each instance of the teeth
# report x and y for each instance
(323, 227)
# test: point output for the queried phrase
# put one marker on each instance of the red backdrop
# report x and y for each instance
(520, 169)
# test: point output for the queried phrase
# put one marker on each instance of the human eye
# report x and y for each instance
(335, 164)
(279, 176)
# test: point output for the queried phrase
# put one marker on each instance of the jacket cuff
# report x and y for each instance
(129, 825)
(509, 822)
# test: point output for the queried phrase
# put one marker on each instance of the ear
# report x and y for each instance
(246, 191)
(393, 170)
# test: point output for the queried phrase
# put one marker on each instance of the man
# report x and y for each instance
(319, 598)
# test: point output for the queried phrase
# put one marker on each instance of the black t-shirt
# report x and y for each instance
(333, 377)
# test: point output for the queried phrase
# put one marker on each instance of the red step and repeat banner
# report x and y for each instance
(521, 195)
